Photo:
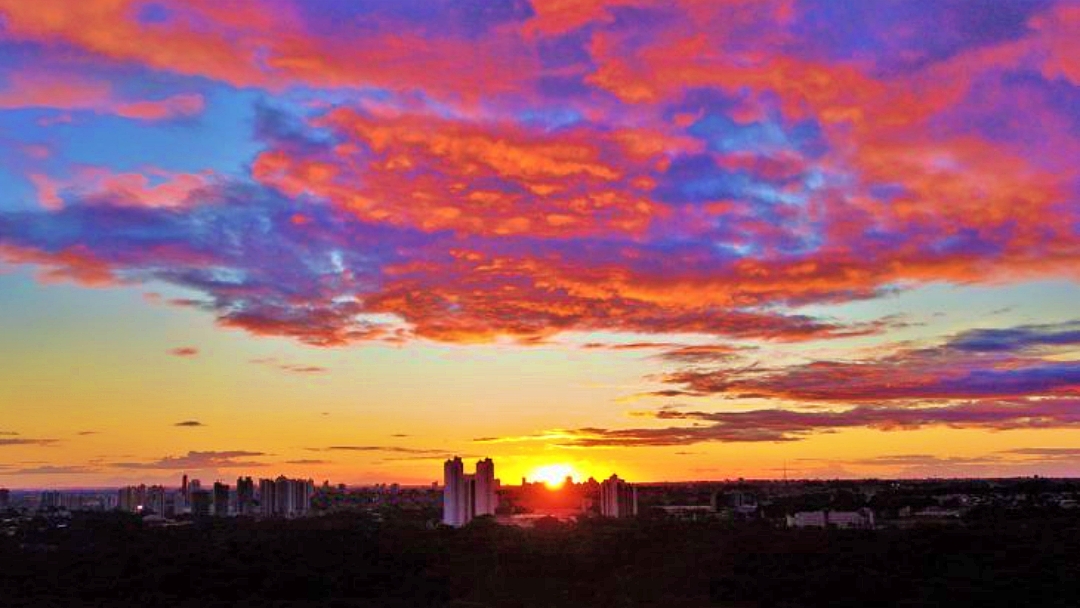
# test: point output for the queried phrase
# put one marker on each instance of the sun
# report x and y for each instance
(553, 475)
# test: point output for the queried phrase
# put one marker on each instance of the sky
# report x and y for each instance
(669, 239)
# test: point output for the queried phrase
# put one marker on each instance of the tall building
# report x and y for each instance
(200, 503)
(245, 496)
(221, 499)
(468, 496)
(453, 487)
(300, 493)
(131, 498)
(485, 500)
(267, 497)
(155, 500)
(284, 497)
(50, 499)
(5, 498)
(617, 498)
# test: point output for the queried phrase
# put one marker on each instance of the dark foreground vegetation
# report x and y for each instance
(352, 561)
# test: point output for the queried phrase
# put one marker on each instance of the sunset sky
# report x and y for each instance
(672, 239)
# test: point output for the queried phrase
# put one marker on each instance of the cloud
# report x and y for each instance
(628, 345)
(782, 425)
(1067, 453)
(1006, 463)
(378, 448)
(189, 423)
(294, 368)
(149, 186)
(531, 169)
(53, 470)
(924, 460)
(58, 87)
(184, 351)
(1017, 339)
(187, 104)
(395, 453)
(675, 352)
(196, 460)
(701, 353)
(86, 433)
(308, 461)
(976, 363)
(7, 441)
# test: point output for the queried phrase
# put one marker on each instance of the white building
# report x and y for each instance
(862, 519)
(617, 498)
(468, 496)
(284, 497)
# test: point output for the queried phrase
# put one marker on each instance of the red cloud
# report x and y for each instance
(255, 45)
(711, 166)
(184, 351)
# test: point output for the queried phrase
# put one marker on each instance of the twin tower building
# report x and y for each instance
(468, 496)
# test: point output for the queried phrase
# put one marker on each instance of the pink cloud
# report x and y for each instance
(188, 104)
(66, 90)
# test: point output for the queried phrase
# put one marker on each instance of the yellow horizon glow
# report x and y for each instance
(554, 475)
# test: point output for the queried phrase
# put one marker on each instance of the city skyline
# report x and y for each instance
(680, 240)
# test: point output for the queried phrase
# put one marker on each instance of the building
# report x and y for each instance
(453, 491)
(284, 497)
(808, 519)
(466, 497)
(688, 512)
(617, 498)
(861, 519)
(221, 499)
(155, 500)
(5, 498)
(201, 501)
(266, 497)
(245, 496)
(50, 499)
(484, 498)
(131, 498)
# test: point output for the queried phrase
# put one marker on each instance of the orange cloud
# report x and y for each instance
(500, 179)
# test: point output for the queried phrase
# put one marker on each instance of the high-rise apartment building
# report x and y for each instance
(266, 497)
(50, 499)
(245, 496)
(200, 503)
(155, 500)
(221, 499)
(131, 499)
(468, 496)
(5, 498)
(617, 498)
(283, 497)
(453, 486)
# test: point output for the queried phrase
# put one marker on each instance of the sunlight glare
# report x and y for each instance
(553, 475)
